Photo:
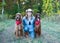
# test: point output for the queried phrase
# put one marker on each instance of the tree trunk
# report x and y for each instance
(2, 10)
(2, 7)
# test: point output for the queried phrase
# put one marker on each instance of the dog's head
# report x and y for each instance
(37, 20)
(18, 16)
(37, 16)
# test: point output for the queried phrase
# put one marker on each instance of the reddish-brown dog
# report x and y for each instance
(37, 25)
(18, 25)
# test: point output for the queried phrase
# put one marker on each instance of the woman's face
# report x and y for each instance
(29, 13)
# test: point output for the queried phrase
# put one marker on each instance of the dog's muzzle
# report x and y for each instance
(17, 18)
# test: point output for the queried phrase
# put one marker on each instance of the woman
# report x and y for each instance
(28, 24)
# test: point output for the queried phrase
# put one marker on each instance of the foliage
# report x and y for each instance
(45, 7)
(50, 6)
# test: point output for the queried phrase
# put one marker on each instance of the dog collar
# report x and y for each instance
(18, 22)
(37, 22)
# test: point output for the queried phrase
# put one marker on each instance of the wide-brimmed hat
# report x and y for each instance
(29, 10)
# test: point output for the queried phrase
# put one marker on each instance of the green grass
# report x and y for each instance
(52, 28)
(5, 24)
(50, 32)
(51, 35)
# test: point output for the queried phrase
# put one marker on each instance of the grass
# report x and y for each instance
(50, 32)
(5, 24)
(52, 28)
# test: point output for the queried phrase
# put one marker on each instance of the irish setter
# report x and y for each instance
(37, 25)
(18, 25)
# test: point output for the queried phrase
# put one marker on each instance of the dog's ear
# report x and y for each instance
(21, 16)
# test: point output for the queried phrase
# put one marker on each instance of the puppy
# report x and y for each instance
(37, 25)
(18, 25)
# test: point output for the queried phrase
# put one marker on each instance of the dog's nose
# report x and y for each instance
(17, 17)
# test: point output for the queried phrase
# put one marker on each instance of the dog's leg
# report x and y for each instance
(39, 30)
(35, 31)
(38, 33)
(26, 34)
(16, 32)
(20, 30)
(21, 33)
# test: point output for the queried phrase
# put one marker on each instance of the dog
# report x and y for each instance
(18, 25)
(37, 25)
